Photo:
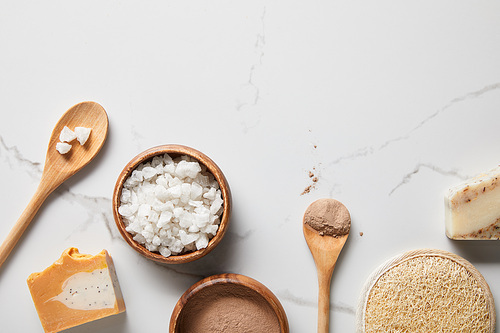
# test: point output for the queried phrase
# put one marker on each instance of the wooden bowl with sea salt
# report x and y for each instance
(172, 204)
(228, 303)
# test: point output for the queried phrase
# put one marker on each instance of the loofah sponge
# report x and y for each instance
(426, 291)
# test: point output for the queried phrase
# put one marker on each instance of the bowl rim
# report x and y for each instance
(173, 149)
(230, 278)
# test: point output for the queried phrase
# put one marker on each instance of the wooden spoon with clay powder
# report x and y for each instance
(327, 223)
(58, 167)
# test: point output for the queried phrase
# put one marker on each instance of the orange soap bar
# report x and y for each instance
(76, 289)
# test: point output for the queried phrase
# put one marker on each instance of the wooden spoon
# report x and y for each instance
(58, 167)
(327, 223)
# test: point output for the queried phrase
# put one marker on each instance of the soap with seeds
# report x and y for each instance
(76, 289)
(472, 208)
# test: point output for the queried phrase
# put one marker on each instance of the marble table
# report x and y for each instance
(386, 103)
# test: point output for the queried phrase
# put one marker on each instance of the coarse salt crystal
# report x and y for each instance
(196, 191)
(202, 242)
(178, 212)
(153, 216)
(139, 238)
(149, 228)
(156, 240)
(185, 193)
(161, 193)
(174, 181)
(201, 220)
(67, 135)
(82, 134)
(164, 251)
(162, 180)
(156, 161)
(167, 206)
(169, 168)
(125, 196)
(127, 210)
(144, 210)
(216, 205)
(175, 191)
(151, 247)
(164, 219)
(188, 238)
(211, 229)
(210, 195)
(177, 246)
(63, 147)
(148, 172)
(187, 169)
(193, 228)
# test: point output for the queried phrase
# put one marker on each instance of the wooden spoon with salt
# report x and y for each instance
(58, 168)
(327, 223)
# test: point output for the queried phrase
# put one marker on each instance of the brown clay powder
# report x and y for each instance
(229, 308)
(328, 217)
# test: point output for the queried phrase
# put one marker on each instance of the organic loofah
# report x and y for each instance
(427, 291)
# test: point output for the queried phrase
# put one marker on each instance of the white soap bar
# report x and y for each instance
(472, 208)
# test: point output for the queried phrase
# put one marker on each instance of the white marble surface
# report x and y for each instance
(388, 103)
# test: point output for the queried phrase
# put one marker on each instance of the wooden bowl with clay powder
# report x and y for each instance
(175, 152)
(231, 303)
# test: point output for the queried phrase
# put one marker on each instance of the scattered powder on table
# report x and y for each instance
(229, 308)
(312, 186)
(307, 190)
(328, 217)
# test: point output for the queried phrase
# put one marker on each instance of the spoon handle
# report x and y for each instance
(24, 220)
(324, 283)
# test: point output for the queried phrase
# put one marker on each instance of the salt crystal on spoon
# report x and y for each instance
(63, 147)
(67, 135)
(82, 134)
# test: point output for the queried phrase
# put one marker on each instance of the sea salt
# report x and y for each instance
(67, 135)
(82, 134)
(63, 147)
(171, 206)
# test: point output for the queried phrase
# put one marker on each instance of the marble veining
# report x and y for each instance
(99, 210)
(15, 160)
(250, 89)
(420, 166)
(287, 296)
(381, 105)
(365, 151)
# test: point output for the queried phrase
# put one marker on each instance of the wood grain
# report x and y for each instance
(58, 168)
(325, 251)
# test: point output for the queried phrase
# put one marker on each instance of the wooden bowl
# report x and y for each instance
(174, 151)
(209, 293)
